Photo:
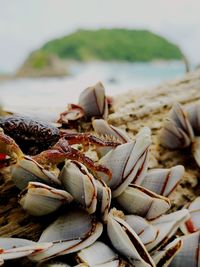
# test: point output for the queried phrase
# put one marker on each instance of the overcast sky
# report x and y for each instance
(27, 24)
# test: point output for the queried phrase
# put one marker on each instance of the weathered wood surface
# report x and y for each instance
(132, 112)
(150, 109)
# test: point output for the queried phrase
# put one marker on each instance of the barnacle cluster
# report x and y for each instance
(115, 212)
(182, 129)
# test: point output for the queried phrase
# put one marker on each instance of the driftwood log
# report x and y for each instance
(150, 109)
(131, 113)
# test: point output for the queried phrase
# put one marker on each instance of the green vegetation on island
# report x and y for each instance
(113, 44)
(93, 45)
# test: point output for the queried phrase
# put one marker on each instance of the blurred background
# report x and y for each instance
(50, 50)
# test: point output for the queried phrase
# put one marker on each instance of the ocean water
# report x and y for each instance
(47, 97)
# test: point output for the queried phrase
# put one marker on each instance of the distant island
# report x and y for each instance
(98, 45)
